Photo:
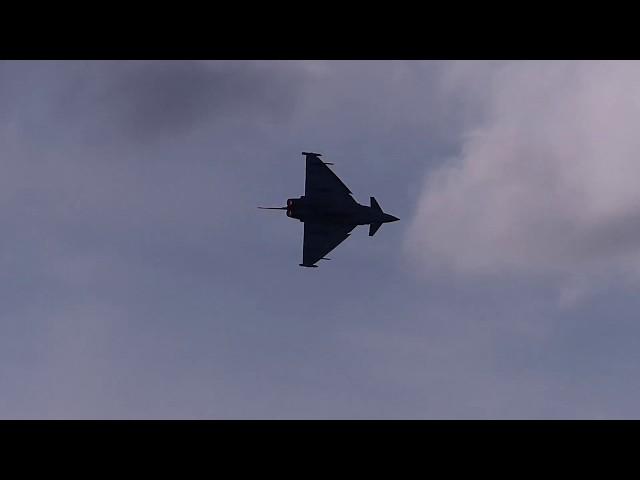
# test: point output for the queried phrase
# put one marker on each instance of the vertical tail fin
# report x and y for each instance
(374, 204)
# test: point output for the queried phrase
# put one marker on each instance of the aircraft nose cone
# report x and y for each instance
(390, 218)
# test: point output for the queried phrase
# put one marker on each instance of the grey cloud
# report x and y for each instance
(541, 176)
(138, 280)
(167, 97)
(102, 102)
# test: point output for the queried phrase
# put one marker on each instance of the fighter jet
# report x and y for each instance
(328, 211)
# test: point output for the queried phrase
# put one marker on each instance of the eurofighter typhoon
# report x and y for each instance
(328, 211)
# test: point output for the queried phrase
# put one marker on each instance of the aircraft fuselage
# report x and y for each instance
(343, 212)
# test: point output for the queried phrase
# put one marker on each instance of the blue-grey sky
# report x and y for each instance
(138, 279)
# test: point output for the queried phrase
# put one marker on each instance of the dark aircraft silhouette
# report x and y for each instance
(328, 211)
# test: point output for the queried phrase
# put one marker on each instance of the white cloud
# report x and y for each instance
(547, 179)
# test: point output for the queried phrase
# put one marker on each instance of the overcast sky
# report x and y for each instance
(138, 279)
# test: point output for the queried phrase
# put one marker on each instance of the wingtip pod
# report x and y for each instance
(308, 266)
(316, 156)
